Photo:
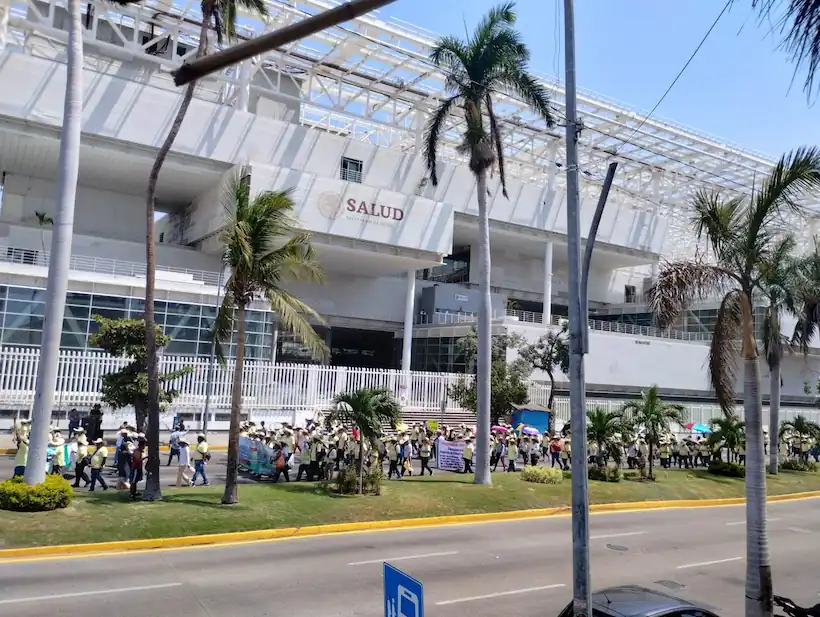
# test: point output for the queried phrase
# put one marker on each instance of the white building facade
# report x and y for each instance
(339, 120)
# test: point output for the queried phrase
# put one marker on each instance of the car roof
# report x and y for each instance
(636, 601)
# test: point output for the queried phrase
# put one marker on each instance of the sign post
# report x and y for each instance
(403, 595)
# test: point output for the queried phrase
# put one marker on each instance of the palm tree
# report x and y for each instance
(223, 13)
(368, 410)
(777, 284)
(801, 36)
(727, 432)
(69, 168)
(493, 60)
(604, 428)
(655, 416)
(262, 250)
(742, 235)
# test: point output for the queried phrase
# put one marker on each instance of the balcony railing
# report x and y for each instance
(442, 319)
(104, 265)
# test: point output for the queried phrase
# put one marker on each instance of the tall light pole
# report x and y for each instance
(581, 596)
(209, 384)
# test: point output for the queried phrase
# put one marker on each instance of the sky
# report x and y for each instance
(738, 88)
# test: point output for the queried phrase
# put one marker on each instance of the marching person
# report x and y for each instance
(393, 458)
(58, 462)
(424, 455)
(468, 456)
(183, 462)
(21, 456)
(97, 465)
(201, 458)
(83, 459)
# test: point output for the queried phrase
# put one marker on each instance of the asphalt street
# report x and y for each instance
(514, 569)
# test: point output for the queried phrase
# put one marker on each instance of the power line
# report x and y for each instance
(678, 76)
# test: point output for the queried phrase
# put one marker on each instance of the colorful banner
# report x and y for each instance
(450, 455)
(255, 457)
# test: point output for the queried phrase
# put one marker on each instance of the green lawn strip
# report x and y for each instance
(111, 516)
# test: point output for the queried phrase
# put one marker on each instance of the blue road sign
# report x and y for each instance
(403, 595)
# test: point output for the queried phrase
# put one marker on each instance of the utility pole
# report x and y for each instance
(209, 384)
(581, 596)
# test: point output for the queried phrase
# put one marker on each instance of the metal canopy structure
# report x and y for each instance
(371, 80)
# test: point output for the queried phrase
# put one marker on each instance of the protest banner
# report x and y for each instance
(450, 455)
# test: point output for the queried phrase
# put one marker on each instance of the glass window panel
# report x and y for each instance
(136, 306)
(254, 327)
(75, 325)
(160, 306)
(109, 313)
(25, 308)
(77, 312)
(178, 308)
(22, 337)
(71, 339)
(29, 295)
(78, 299)
(112, 302)
(253, 339)
(256, 316)
(93, 327)
(206, 323)
(183, 334)
(26, 322)
(209, 311)
(203, 349)
(190, 321)
(181, 348)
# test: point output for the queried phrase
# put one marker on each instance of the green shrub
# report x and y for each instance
(730, 470)
(347, 482)
(604, 474)
(55, 492)
(542, 475)
(795, 464)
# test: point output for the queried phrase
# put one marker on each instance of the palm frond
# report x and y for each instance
(223, 327)
(367, 409)
(680, 283)
(496, 19)
(723, 351)
(433, 135)
(454, 57)
(294, 314)
(800, 26)
(495, 134)
(518, 82)
(716, 219)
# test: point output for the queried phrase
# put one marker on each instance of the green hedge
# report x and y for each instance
(730, 470)
(55, 492)
(604, 474)
(795, 464)
(542, 475)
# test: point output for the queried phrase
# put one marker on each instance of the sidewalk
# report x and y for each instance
(216, 440)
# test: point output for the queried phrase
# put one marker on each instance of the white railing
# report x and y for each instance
(101, 265)
(442, 318)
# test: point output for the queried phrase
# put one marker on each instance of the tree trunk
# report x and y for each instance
(774, 415)
(758, 568)
(361, 461)
(550, 403)
(601, 455)
(69, 165)
(231, 496)
(484, 335)
(153, 491)
(651, 458)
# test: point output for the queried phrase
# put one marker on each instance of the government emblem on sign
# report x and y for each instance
(330, 204)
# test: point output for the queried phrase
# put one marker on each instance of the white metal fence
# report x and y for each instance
(276, 392)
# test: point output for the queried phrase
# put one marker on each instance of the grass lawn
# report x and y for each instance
(112, 516)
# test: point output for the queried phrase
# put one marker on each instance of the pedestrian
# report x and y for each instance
(512, 453)
(555, 452)
(137, 460)
(393, 458)
(97, 465)
(183, 463)
(21, 456)
(469, 451)
(82, 461)
(280, 462)
(73, 422)
(58, 461)
(500, 454)
(173, 444)
(201, 458)
(566, 454)
(424, 455)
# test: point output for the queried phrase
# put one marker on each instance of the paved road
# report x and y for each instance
(515, 569)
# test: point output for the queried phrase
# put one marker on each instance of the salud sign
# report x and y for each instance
(403, 595)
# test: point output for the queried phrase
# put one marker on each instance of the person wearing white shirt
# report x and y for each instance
(183, 463)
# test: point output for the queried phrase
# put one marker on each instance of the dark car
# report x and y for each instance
(635, 601)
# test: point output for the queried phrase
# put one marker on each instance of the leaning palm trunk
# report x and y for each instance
(482, 470)
(60, 249)
(230, 495)
(152, 484)
(774, 415)
(361, 463)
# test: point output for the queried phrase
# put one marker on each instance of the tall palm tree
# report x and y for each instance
(368, 409)
(801, 426)
(727, 432)
(604, 428)
(493, 60)
(743, 235)
(656, 418)
(799, 24)
(263, 249)
(69, 168)
(223, 14)
(777, 284)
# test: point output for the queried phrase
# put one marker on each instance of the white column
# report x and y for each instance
(244, 93)
(5, 12)
(548, 284)
(275, 342)
(409, 304)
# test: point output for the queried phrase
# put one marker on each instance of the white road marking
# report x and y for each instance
(405, 558)
(499, 594)
(768, 520)
(708, 563)
(81, 594)
(618, 535)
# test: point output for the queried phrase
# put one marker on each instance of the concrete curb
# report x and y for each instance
(341, 528)
(13, 451)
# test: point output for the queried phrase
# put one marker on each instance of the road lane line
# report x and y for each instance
(405, 558)
(499, 594)
(708, 563)
(768, 520)
(618, 535)
(81, 594)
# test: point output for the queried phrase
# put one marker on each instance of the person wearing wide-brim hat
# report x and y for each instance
(97, 463)
(393, 453)
(183, 462)
(83, 459)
